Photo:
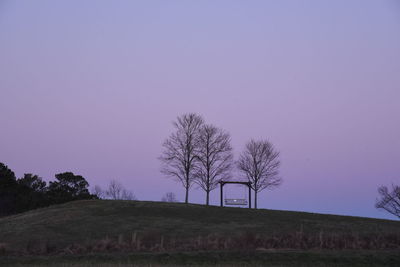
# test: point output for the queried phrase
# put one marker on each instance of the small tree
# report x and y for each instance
(68, 187)
(169, 197)
(389, 200)
(214, 153)
(179, 156)
(127, 195)
(259, 162)
(116, 191)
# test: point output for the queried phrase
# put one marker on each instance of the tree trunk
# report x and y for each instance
(187, 186)
(207, 198)
(187, 195)
(255, 199)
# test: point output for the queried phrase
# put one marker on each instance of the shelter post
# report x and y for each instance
(249, 196)
(222, 193)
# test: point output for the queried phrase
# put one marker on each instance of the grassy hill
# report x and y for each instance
(159, 226)
(79, 221)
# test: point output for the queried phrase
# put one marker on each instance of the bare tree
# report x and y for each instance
(179, 155)
(389, 200)
(116, 191)
(97, 191)
(260, 164)
(127, 195)
(215, 157)
(169, 197)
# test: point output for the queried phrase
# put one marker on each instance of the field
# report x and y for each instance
(86, 233)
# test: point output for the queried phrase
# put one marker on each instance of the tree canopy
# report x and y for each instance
(31, 191)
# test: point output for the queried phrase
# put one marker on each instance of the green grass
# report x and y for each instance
(82, 222)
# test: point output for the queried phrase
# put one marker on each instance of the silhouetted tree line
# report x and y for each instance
(31, 192)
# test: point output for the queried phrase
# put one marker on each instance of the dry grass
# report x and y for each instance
(154, 241)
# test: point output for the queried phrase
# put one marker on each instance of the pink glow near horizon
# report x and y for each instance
(93, 86)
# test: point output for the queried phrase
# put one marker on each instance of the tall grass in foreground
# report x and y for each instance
(153, 241)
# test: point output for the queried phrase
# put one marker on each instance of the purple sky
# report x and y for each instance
(93, 86)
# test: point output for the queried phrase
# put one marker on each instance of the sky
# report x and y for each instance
(93, 87)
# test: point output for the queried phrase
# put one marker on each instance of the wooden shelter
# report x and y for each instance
(235, 201)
